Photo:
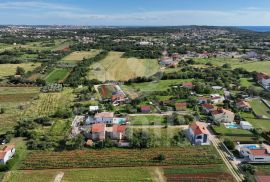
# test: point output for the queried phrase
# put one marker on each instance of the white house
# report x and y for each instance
(104, 117)
(222, 116)
(246, 125)
(261, 154)
(7, 153)
(198, 134)
(216, 98)
(93, 108)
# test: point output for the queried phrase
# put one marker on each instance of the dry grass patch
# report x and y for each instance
(10, 69)
(80, 55)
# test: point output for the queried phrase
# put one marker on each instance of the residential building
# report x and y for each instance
(118, 132)
(222, 116)
(188, 85)
(243, 106)
(203, 100)
(208, 108)
(98, 131)
(198, 134)
(7, 153)
(261, 154)
(181, 106)
(246, 125)
(104, 117)
(216, 98)
(264, 80)
(118, 97)
(145, 109)
(93, 108)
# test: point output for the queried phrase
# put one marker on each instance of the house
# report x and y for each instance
(118, 132)
(264, 80)
(7, 153)
(222, 116)
(246, 125)
(243, 106)
(93, 108)
(198, 134)
(216, 98)
(256, 154)
(104, 117)
(145, 109)
(181, 106)
(188, 85)
(207, 108)
(202, 100)
(98, 131)
(118, 97)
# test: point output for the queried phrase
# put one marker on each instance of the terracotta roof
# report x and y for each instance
(181, 104)
(119, 128)
(8, 148)
(198, 128)
(2, 154)
(145, 107)
(104, 115)
(263, 178)
(260, 152)
(220, 111)
(203, 98)
(243, 104)
(208, 106)
(97, 128)
(188, 84)
(216, 97)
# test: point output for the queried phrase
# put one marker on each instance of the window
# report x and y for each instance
(199, 137)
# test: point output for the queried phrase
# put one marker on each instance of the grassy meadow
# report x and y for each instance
(80, 55)
(10, 69)
(114, 67)
(56, 75)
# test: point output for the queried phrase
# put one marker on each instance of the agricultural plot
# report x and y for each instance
(10, 69)
(48, 103)
(121, 158)
(106, 91)
(11, 98)
(260, 108)
(57, 75)
(198, 173)
(78, 175)
(116, 68)
(161, 85)
(80, 55)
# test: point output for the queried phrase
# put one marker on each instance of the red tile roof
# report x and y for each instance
(259, 152)
(243, 104)
(119, 128)
(2, 154)
(104, 115)
(263, 178)
(147, 108)
(97, 128)
(188, 84)
(198, 128)
(5, 150)
(181, 105)
(208, 106)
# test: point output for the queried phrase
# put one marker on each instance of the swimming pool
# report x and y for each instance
(252, 147)
(231, 125)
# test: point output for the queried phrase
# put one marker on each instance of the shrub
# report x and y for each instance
(229, 144)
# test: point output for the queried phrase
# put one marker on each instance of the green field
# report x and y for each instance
(264, 124)
(260, 108)
(259, 66)
(161, 85)
(222, 130)
(147, 120)
(114, 67)
(10, 99)
(80, 55)
(57, 75)
(10, 69)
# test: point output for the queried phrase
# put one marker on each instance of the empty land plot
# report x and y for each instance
(259, 66)
(10, 99)
(260, 108)
(80, 55)
(147, 120)
(121, 158)
(264, 124)
(10, 69)
(57, 75)
(116, 68)
(106, 91)
(48, 103)
(78, 175)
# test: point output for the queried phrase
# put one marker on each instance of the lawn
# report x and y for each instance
(263, 169)
(78, 175)
(264, 124)
(161, 85)
(10, 99)
(260, 108)
(217, 61)
(222, 130)
(259, 66)
(57, 75)
(116, 68)
(121, 157)
(10, 69)
(147, 120)
(80, 55)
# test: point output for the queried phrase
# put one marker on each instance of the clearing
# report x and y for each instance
(10, 69)
(116, 68)
(80, 55)
(57, 75)
(260, 108)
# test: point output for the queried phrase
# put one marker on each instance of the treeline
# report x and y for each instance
(80, 71)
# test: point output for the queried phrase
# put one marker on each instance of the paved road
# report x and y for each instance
(233, 168)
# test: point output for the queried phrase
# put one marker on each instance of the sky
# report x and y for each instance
(136, 12)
